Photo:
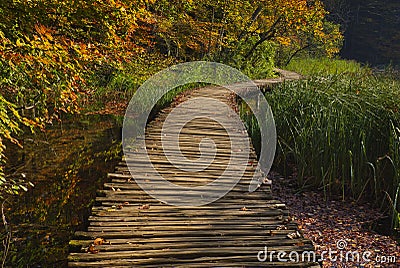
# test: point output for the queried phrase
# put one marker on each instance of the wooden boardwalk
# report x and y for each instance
(140, 231)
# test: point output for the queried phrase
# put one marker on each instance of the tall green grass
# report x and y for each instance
(324, 66)
(340, 134)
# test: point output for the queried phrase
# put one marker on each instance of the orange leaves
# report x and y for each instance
(53, 59)
(143, 207)
(286, 41)
(99, 241)
(43, 31)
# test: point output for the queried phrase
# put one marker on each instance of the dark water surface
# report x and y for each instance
(67, 164)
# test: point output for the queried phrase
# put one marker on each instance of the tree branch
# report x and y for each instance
(263, 37)
(296, 52)
(7, 239)
(254, 17)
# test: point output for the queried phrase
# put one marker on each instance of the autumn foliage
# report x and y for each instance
(53, 52)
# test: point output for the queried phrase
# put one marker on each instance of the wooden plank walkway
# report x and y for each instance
(140, 231)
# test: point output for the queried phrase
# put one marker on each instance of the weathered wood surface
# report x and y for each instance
(141, 231)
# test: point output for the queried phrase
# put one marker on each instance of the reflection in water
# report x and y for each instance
(67, 164)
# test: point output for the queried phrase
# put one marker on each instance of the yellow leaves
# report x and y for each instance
(331, 51)
(43, 60)
(50, 55)
(7, 134)
(286, 41)
(19, 43)
(301, 23)
(9, 124)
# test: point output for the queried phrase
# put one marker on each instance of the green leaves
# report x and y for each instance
(9, 186)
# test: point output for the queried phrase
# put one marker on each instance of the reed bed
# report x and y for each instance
(339, 134)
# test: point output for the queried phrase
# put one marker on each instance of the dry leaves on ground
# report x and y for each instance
(341, 226)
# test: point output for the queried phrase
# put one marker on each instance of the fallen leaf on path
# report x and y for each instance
(99, 241)
(146, 206)
(92, 249)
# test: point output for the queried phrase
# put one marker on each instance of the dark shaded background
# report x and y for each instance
(372, 29)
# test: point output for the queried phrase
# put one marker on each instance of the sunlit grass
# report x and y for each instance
(324, 66)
